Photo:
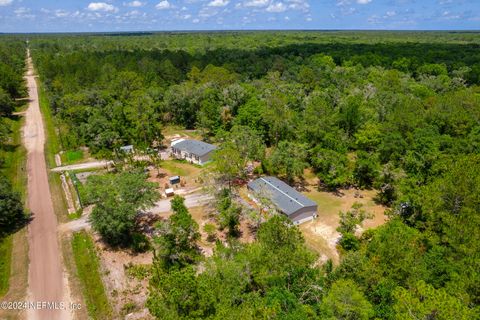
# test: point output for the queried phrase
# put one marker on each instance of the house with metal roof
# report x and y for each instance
(285, 199)
(193, 151)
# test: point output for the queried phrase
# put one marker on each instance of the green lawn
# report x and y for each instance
(179, 168)
(88, 272)
(5, 262)
(327, 202)
(72, 156)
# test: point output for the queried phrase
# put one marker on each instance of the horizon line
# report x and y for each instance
(241, 30)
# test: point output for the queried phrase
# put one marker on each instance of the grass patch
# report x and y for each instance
(180, 168)
(88, 271)
(76, 215)
(5, 262)
(53, 145)
(72, 156)
(327, 203)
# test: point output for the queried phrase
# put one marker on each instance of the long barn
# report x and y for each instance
(286, 199)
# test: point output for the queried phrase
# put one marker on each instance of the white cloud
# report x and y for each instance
(207, 12)
(23, 12)
(256, 3)
(61, 13)
(5, 2)
(277, 7)
(298, 5)
(218, 3)
(364, 1)
(135, 4)
(101, 6)
(162, 5)
(391, 13)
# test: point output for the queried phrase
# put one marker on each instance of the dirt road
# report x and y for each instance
(46, 279)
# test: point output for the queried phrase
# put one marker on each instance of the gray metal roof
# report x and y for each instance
(196, 147)
(127, 148)
(284, 197)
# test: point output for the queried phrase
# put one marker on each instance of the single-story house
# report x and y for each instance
(193, 151)
(286, 199)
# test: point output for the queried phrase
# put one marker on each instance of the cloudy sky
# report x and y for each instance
(138, 15)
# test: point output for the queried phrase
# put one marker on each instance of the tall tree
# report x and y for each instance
(118, 198)
(176, 240)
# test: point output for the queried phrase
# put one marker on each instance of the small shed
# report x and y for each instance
(174, 180)
(169, 192)
(127, 149)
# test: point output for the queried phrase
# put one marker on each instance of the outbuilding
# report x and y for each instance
(174, 180)
(193, 151)
(127, 149)
(286, 199)
(169, 192)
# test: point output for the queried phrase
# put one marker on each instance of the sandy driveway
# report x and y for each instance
(163, 206)
(82, 166)
(46, 278)
(191, 200)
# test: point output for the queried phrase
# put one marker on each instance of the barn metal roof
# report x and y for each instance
(284, 197)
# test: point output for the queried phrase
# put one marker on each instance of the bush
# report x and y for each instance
(140, 242)
(210, 230)
(349, 242)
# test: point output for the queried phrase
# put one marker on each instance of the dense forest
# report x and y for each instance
(398, 112)
(12, 87)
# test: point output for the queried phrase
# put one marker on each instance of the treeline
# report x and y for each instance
(12, 86)
(396, 116)
(367, 115)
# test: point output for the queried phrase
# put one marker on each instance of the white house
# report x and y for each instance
(193, 151)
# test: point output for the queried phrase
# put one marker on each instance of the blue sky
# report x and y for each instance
(138, 15)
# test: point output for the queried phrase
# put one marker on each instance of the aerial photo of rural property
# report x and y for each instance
(240, 159)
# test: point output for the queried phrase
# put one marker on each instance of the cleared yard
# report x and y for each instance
(174, 132)
(320, 234)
